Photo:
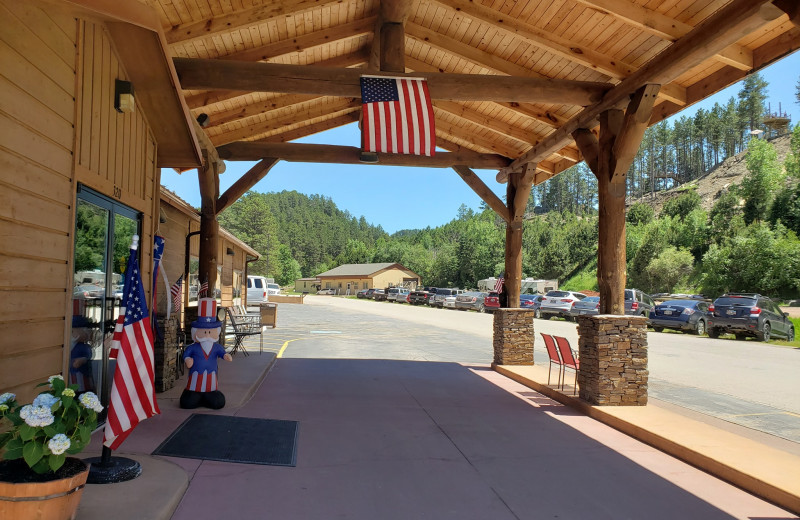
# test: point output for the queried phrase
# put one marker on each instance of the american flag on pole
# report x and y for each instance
(203, 291)
(133, 396)
(177, 293)
(498, 285)
(397, 116)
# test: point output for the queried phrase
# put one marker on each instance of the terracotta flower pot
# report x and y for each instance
(36, 498)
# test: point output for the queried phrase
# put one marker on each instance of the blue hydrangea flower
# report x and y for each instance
(6, 397)
(89, 400)
(59, 444)
(45, 399)
(36, 416)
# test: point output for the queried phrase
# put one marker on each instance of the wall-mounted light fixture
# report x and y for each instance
(229, 251)
(123, 96)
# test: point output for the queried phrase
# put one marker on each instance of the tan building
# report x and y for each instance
(351, 278)
(307, 285)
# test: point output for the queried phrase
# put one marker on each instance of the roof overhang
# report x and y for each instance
(136, 32)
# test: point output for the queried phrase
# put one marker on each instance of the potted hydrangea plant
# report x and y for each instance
(37, 478)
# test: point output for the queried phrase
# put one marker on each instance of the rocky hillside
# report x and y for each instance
(714, 183)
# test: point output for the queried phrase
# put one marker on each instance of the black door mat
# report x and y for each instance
(233, 439)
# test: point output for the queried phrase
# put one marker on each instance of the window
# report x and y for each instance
(366, 285)
(237, 285)
(104, 229)
(194, 279)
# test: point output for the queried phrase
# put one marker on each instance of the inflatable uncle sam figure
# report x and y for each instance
(201, 359)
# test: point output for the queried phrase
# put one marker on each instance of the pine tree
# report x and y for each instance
(751, 100)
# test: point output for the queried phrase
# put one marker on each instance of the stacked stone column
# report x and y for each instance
(513, 337)
(613, 360)
(165, 352)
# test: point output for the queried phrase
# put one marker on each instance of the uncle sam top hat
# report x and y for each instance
(206, 314)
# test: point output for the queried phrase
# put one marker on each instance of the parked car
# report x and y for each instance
(559, 303)
(587, 306)
(363, 293)
(380, 295)
(326, 291)
(273, 288)
(532, 301)
(393, 293)
(472, 300)
(638, 303)
(256, 290)
(421, 296)
(449, 302)
(492, 302)
(441, 294)
(748, 314)
(686, 315)
(88, 291)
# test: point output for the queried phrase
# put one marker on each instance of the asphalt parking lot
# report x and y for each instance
(746, 383)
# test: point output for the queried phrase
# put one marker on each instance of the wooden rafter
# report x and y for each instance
(653, 22)
(210, 97)
(390, 12)
(311, 129)
(193, 31)
(255, 109)
(318, 153)
(715, 33)
(298, 79)
(482, 141)
(260, 127)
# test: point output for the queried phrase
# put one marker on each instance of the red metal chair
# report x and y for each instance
(568, 360)
(552, 352)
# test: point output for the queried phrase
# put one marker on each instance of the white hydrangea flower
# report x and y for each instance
(59, 444)
(51, 378)
(89, 400)
(6, 397)
(68, 392)
(45, 399)
(37, 416)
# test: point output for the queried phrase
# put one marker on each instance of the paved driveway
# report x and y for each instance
(745, 382)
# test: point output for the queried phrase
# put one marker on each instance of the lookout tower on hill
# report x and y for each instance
(777, 123)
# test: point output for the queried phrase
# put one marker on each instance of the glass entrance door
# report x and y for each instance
(103, 232)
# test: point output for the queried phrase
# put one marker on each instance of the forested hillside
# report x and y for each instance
(745, 239)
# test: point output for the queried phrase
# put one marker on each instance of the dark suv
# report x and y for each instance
(638, 303)
(748, 314)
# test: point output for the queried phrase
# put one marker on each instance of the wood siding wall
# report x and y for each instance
(58, 127)
(37, 120)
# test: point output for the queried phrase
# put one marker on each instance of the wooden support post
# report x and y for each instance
(611, 273)
(209, 227)
(393, 48)
(517, 192)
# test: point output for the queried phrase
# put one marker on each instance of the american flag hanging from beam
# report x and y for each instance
(397, 116)
(133, 396)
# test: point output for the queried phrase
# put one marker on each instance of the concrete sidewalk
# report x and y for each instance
(400, 439)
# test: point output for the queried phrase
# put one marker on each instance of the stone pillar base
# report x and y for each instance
(513, 337)
(613, 357)
(165, 352)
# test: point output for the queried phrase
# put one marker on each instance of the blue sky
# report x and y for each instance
(407, 198)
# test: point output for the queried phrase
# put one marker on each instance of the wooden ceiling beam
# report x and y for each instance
(305, 42)
(319, 153)
(193, 31)
(297, 79)
(549, 118)
(792, 8)
(665, 27)
(209, 97)
(479, 140)
(311, 129)
(728, 25)
(261, 127)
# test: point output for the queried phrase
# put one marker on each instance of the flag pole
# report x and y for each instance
(106, 469)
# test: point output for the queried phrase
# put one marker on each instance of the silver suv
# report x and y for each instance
(559, 303)
(437, 300)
